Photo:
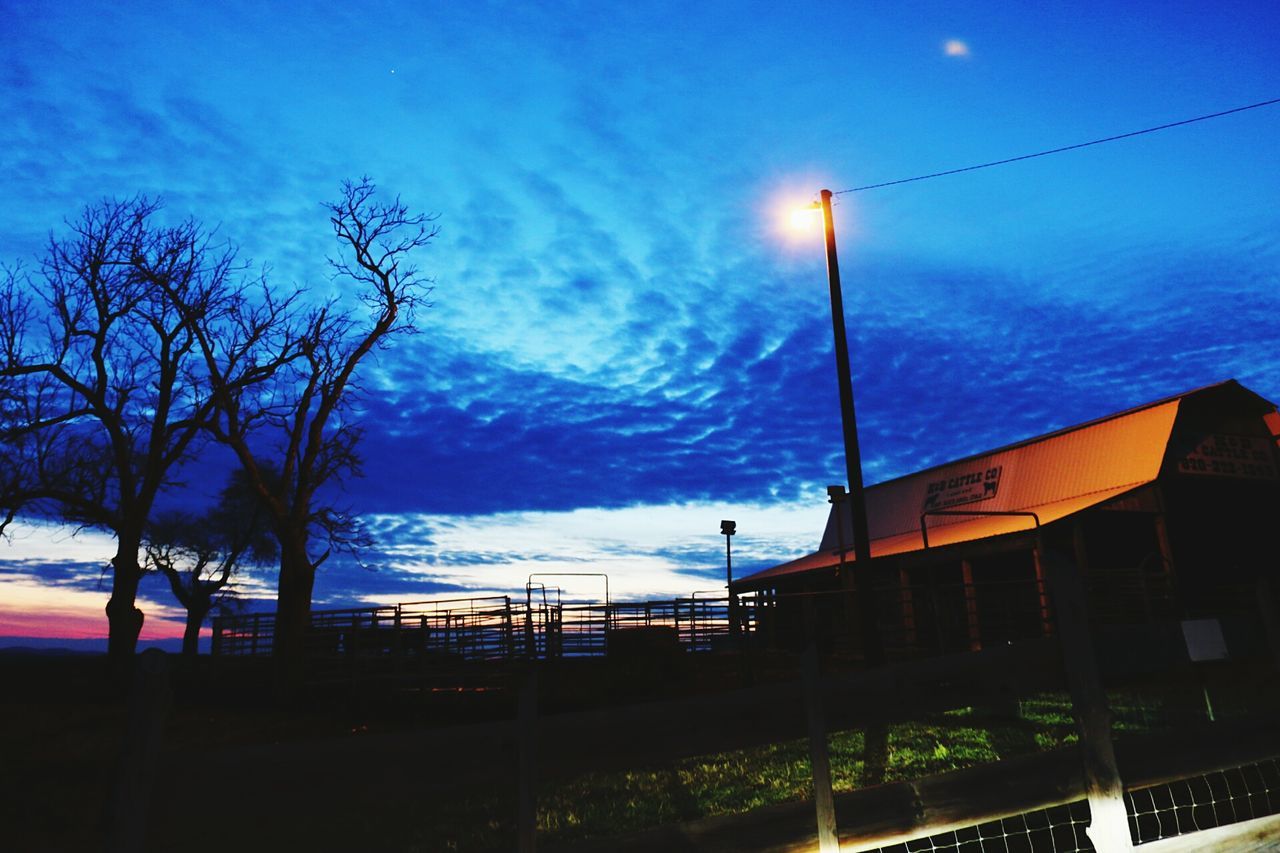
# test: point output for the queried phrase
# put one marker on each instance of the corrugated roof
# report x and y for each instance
(1053, 476)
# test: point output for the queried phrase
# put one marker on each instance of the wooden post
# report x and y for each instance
(908, 607)
(1270, 618)
(819, 760)
(527, 807)
(1042, 592)
(1166, 561)
(148, 709)
(971, 606)
(1109, 828)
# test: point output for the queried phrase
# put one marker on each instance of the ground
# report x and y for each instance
(435, 769)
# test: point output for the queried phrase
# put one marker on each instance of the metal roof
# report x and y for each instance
(1051, 476)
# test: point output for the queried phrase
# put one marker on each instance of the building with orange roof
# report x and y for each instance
(1170, 511)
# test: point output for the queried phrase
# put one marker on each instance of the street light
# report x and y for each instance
(872, 649)
(728, 528)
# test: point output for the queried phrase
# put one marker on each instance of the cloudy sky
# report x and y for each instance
(626, 344)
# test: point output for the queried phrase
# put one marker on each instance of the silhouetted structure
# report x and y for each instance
(1166, 509)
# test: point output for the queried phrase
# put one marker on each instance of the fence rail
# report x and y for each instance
(492, 628)
(914, 616)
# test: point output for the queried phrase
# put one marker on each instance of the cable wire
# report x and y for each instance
(1060, 150)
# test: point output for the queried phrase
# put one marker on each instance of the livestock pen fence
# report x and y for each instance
(914, 617)
(492, 628)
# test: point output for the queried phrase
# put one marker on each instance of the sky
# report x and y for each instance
(626, 344)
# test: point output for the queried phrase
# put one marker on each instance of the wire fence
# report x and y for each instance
(1156, 812)
(1203, 802)
(1060, 829)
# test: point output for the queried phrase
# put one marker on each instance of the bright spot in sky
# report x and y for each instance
(955, 47)
(804, 220)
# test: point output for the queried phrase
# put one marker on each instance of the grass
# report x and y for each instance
(600, 804)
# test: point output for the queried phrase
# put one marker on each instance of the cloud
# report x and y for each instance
(946, 363)
(672, 550)
(955, 48)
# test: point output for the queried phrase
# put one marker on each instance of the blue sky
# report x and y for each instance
(625, 346)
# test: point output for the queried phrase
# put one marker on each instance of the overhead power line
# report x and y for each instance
(1060, 150)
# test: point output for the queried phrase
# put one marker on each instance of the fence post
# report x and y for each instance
(508, 635)
(148, 709)
(693, 625)
(1270, 620)
(530, 648)
(1109, 827)
(971, 607)
(819, 760)
(527, 806)
(399, 633)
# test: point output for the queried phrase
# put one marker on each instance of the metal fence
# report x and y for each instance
(492, 628)
(913, 616)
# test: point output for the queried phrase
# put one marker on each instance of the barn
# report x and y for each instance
(1170, 511)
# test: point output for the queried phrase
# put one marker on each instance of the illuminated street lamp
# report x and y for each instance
(871, 645)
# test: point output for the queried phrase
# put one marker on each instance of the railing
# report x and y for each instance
(913, 617)
(477, 629)
(464, 629)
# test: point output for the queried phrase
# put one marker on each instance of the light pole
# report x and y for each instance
(872, 649)
(728, 528)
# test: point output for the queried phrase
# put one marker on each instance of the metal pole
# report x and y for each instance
(728, 561)
(872, 646)
(733, 599)
(728, 528)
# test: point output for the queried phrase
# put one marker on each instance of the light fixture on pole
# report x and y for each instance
(872, 648)
(729, 527)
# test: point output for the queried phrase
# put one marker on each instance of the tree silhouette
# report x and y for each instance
(298, 438)
(200, 554)
(102, 389)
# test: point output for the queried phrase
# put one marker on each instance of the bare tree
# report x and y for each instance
(103, 391)
(201, 554)
(300, 437)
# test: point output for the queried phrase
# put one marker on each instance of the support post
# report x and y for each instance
(1042, 594)
(1270, 618)
(973, 624)
(527, 723)
(819, 760)
(149, 705)
(1109, 828)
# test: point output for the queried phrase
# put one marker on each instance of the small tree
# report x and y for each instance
(200, 554)
(298, 439)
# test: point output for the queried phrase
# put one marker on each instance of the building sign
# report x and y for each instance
(1221, 455)
(978, 485)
